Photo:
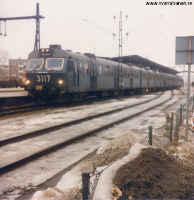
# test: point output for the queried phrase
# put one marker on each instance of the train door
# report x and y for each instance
(93, 75)
(71, 75)
(120, 76)
(148, 80)
(78, 74)
(116, 77)
(131, 83)
(140, 79)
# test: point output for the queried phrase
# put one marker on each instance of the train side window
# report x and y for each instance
(86, 67)
(132, 74)
(100, 69)
(108, 70)
(78, 66)
(104, 70)
(112, 70)
(70, 66)
(82, 69)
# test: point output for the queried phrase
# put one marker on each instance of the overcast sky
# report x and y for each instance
(87, 26)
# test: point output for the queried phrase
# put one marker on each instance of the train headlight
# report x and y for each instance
(60, 82)
(27, 82)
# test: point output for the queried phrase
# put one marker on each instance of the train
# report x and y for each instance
(55, 72)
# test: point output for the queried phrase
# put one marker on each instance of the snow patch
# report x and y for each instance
(49, 194)
(105, 184)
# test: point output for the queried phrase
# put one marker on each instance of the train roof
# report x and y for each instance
(133, 60)
(144, 63)
(57, 51)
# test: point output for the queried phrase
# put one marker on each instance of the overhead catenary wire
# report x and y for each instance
(96, 25)
(37, 19)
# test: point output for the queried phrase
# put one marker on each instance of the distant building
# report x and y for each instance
(18, 62)
(4, 72)
(17, 66)
(11, 74)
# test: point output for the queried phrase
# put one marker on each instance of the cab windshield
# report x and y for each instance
(34, 64)
(54, 63)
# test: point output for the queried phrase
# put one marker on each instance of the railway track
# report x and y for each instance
(71, 136)
(19, 105)
(27, 107)
(67, 124)
(13, 101)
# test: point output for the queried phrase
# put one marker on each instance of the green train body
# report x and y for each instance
(58, 72)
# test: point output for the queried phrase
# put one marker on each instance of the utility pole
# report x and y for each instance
(120, 33)
(37, 18)
(188, 98)
(188, 85)
(184, 55)
(37, 35)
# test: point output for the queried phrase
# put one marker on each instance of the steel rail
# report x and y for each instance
(49, 130)
(23, 161)
(12, 105)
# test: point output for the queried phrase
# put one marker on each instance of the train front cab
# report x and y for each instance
(45, 76)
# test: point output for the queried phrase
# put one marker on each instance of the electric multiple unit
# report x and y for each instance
(58, 72)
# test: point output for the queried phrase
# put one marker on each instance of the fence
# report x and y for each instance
(89, 185)
(176, 119)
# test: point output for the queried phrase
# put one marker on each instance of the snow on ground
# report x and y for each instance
(12, 92)
(70, 183)
(11, 89)
(45, 168)
(184, 150)
(32, 145)
(74, 176)
(45, 118)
